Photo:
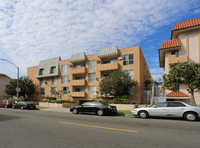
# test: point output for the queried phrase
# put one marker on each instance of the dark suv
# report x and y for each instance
(94, 107)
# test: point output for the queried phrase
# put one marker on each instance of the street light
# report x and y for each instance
(17, 89)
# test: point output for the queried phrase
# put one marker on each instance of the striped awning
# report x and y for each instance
(108, 51)
(79, 57)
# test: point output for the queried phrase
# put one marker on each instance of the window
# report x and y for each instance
(53, 89)
(131, 91)
(175, 52)
(91, 77)
(65, 68)
(65, 79)
(104, 75)
(92, 64)
(110, 61)
(53, 70)
(80, 65)
(79, 78)
(175, 104)
(42, 91)
(54, 81)
(41, 71)
(128, 59)
(79, 89)
(65, 89)
(164, 104)
(42, 82)
(92, 90)
(130, 72)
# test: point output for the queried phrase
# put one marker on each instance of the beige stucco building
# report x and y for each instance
(80, 75)
(4, 80)
(184, 46)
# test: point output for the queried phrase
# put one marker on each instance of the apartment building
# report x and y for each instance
(80, 75)
(4, 80)
(184, 46)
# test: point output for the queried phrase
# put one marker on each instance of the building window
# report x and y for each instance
(42, 91)
(79, 78)
(131, 90)
(92, 64)
(79, 89)
(110, 61)
(91, 77)
(175, 52)
(65, 79)
(128, 59)
(53, 90)
(41, 71)
(80, 65)
(92, 90)
(65, 89)
(65, 68)
(53, 70)
(104, 75)
(42, 82)
(54, 81)
(130, 72)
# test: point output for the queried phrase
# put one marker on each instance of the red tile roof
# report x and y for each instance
(5, 76)
(177, 94)
(187, 24)
(171, 43)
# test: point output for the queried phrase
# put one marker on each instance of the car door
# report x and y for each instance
(159, 110)
(176, 109)
(85, 107)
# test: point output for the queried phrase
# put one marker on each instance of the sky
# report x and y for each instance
(35, 30)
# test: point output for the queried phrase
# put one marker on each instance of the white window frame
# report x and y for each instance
(91, 77)
(129, 72)
(127, 60)
(92, 64)
(65, 79)
(65, 68)
(54, 81)
(92, 90)
(67, 90)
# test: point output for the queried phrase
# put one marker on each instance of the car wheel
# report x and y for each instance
(100, 112)
(13, 107)
(6, 106)
(75, 111)
(143, 114)
(190, 116)
(22, 107)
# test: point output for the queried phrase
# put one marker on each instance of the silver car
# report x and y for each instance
(169, 109)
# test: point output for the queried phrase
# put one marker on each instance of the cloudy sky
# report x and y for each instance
(34, 30)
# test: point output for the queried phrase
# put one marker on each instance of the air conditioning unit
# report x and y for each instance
(119, 58)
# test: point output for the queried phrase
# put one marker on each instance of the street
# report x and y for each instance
(47, 129)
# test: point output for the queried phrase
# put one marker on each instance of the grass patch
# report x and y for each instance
(41, 107)
(124, 111)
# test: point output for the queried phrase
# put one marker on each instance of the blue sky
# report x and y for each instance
(31, 31)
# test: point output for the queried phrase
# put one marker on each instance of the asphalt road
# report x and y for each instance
(43, 129)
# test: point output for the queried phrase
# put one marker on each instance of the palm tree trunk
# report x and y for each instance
(193, 102)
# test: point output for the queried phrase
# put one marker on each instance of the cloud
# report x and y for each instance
(36, 30)
(156, 73)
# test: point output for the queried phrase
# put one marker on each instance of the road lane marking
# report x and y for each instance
(98, 127)
(4, 114)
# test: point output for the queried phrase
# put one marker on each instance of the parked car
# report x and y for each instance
(24, 105)
(6, 103)
(169, 109)
(94, 107)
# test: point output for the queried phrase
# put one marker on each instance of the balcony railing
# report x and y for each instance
(107, 67)
(175, 60)
(78, 94)
(78, 82)
(80, 70)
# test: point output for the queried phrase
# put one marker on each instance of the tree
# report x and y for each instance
(27, 88)
(58, 94)
(116, 84)
(183, 73)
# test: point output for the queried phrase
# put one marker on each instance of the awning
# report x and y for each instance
(79, 57)
(108, 51)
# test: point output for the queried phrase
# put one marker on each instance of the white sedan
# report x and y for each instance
(169, 109)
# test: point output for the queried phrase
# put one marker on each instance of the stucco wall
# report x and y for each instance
(3, 82)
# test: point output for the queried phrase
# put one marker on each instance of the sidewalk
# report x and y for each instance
(55, 109)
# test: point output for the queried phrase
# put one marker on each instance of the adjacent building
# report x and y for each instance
(184, 46)
(4, 80)
(80, 75)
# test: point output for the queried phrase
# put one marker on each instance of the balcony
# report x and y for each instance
(108, 67)
(175, 60)
(78, 82)
(80, 70)
(77, 94)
